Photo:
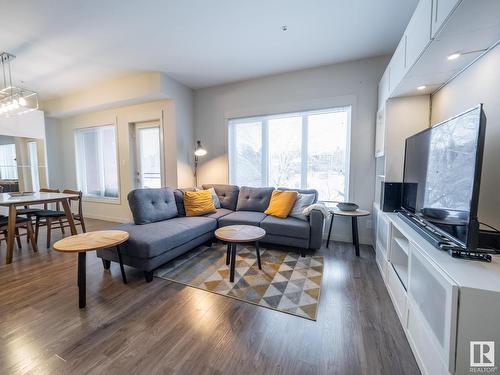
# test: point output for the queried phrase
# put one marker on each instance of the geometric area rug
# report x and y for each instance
(287, 282)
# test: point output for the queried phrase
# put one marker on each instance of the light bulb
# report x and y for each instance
(454, 56)
(22, 101)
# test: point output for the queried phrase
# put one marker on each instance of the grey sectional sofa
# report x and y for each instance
(161, 231)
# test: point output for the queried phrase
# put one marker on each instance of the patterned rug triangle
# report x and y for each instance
(287, 282)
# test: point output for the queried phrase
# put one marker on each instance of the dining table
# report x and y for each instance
(12, 200)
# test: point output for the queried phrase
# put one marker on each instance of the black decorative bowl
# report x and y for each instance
(347, 206)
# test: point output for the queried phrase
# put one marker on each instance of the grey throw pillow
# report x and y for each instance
(302, 201)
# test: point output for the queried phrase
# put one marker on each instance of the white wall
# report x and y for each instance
(61, 152)
(30, 125)
(184, 126)
(52, 145)
(480, 83)
(352, 83)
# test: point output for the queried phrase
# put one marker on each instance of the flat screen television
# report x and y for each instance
(442, 173)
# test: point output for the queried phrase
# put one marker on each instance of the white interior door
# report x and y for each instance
(148, 152)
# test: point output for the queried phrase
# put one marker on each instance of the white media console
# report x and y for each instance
(443, 303)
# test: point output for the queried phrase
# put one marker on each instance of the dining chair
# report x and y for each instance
(46, 217)
(21, 222)
(77, 217)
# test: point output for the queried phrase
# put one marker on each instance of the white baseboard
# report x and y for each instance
(109, 218)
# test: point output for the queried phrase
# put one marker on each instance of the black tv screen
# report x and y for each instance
(442, 175)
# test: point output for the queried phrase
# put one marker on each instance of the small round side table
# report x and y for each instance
(334, 210)
(91, 241)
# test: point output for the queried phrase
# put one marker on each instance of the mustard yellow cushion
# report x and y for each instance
(198, 203)
(281, 203)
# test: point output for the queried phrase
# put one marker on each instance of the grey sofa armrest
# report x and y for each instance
(316, 221)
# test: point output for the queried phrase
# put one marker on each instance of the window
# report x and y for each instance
(148, 155)
(8, 163)
(33, 158)
(296, 150)
(96, 164)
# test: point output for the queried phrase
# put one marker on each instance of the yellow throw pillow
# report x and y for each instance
(281, 203)
(198, 203)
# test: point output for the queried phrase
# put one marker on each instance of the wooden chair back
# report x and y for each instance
(76, 199)
(47, 190)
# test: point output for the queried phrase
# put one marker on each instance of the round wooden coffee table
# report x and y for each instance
(91, 241)
(235, 234)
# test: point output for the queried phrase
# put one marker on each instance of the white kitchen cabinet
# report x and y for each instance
(397, 65)
(418, 32)
(441, 9)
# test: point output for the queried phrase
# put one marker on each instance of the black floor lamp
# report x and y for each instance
(198, 151)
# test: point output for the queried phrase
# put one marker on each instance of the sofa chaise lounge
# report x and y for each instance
(161, 231)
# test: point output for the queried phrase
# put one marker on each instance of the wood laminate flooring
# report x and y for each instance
(165, 328)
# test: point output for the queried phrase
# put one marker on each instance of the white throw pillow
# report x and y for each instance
(302, 201)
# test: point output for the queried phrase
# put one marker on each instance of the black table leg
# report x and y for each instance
(233, 262)
(355, 235)
(329, 231)
(122, 269)
(82, 279)
(257, 250)
(228, 254)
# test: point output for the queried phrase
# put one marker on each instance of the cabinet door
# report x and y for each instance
(397, 66)
(380, 134)
(383, 89)
(441, 9)
(418, 32)
(383, 228)
(433, 301)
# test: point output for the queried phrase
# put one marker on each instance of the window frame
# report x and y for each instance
(231, 142)
(94, 198)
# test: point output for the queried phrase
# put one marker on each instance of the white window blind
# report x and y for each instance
(96, 162)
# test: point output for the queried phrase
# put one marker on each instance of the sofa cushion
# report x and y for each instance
(302, 201)
(281, 203)
(179, 200)
(289, 227)
(242, 218)
(197, 203)
(228, 194)
(148, 241)
(303, 191)
(220, 212)
(152, 205)
(215, 197)
(254, 199)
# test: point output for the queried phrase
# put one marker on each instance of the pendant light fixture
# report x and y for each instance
(14, 100)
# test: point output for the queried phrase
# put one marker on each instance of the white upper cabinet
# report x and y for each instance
(436, 29)
(418, 32)
(441, 9)
(397, 66)
(380, 133)
(383, 89)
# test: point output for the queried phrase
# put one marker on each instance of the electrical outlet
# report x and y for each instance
(369, 224)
